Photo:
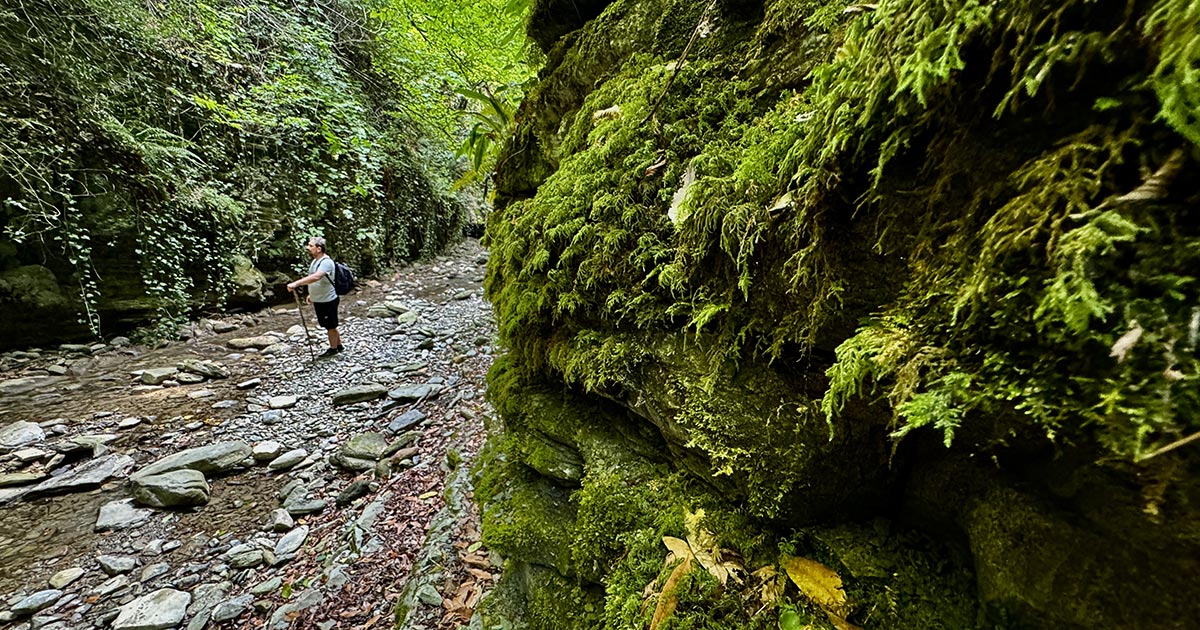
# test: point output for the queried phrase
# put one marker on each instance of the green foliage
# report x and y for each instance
(183, 133)
(772, 222)
(1174, 26)
(494, 125)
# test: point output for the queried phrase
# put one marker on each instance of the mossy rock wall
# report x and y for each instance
(909, 289)
(150, 150)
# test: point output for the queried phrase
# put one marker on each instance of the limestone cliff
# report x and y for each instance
(905, 289)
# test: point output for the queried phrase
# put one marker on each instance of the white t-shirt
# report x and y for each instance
(322, 290)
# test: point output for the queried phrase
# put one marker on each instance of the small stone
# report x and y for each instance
(429, 595)
(280, 521)
(232, 608)
(365, 446)
(291, 542)
(116, 565)
(288, 460)
(268, 586)
(360, 393)
(66, 577)
(176, 488)
(245, 343)
(155, 570)
(254, 382)
(128, 423)
(355, 490)
(157, 376)
(110, 586)
(406, 421)
(266, 451)
(281, 402)
(244, 556)
(311, 506)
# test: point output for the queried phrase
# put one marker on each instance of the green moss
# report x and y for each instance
(935, 228)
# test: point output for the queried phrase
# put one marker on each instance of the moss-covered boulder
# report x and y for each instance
(907, 289)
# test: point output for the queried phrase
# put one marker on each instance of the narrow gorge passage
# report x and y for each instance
(286, 537)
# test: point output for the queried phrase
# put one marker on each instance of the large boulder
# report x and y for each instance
(214, 459)
(177, 488)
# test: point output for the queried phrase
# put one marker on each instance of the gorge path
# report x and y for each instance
(369, 534)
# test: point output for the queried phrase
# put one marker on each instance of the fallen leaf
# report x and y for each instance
(668, 600)
(823, 586)
(818, 582)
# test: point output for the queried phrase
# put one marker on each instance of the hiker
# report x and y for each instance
(322, 295)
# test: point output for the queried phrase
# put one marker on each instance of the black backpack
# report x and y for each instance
(343, 278)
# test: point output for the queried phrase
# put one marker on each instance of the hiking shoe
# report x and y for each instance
(330, 352)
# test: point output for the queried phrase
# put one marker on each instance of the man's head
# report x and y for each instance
(316, 246)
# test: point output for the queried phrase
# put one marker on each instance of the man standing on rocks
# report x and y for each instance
(322, 295)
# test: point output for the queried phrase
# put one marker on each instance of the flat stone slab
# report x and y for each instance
(156, 376)
(162, 609)
(26, 384)
(91, 474)
(281, 402)
(261, 342)
(212, 459)
(360, 393)
(120, 515)
(66, 577)
(266, 450)
(283, 615)
(18, 434)
(36, 602)
(291, 542)
(116, 565)
(406, 420)
(19, 479)
(365, 446)
(207, 369)
(412, 393)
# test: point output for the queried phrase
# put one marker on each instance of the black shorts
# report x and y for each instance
(327, 313)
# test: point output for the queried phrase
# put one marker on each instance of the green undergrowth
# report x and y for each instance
(591, 554)
(148, 145)
(948, 182)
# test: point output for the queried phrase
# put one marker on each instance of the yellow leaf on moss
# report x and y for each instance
(668, 600)
(818, 582)
(678, 546)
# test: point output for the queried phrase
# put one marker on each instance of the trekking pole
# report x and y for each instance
(299, 309)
